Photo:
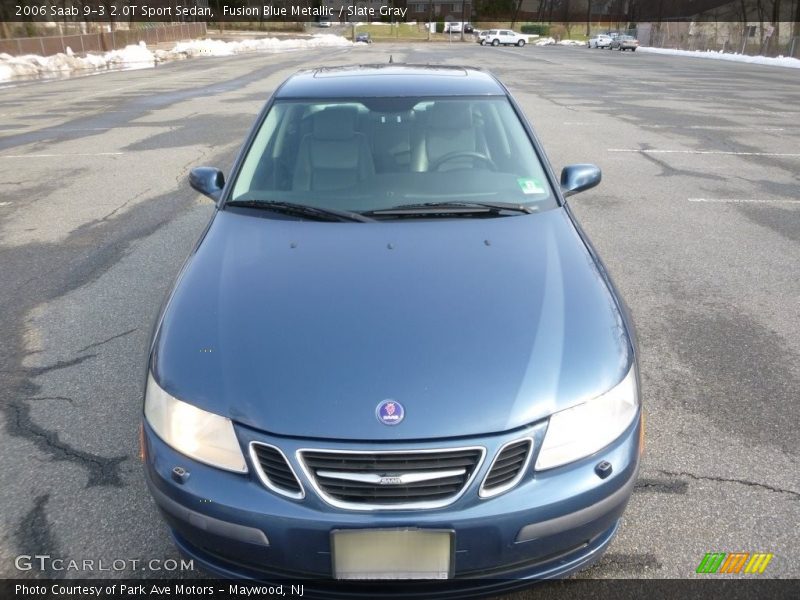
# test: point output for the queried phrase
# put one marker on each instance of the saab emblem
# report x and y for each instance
(390, 412)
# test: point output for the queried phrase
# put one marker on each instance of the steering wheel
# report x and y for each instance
(463, 154)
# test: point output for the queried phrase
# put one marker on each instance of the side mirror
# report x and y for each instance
(208, 181)
(577, 178)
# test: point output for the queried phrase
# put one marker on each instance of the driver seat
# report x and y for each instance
(451, 127)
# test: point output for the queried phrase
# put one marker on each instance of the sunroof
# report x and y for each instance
(366, 70)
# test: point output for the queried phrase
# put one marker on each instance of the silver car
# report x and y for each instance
(625, 42)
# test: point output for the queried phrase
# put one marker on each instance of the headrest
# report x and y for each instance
(451, 115)
(335, 123)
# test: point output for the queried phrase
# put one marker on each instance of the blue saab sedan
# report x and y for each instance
(393, 354)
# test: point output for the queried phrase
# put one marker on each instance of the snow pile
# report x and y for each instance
(548, 41)
(138, 56)
(32, 65)
(779, 61)
(130, 57)
(220, 48)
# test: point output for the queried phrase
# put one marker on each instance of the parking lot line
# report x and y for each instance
(714, 127)
(722, 152)
(693, 127)
(746, 200)
(60, 155)
(59, 129)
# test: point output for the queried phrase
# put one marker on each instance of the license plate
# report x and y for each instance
(392, 553)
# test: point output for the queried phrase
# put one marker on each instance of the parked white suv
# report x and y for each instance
(495, 37)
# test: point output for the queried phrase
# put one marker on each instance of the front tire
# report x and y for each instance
(483, 42)
(520, 43)
(495, 42)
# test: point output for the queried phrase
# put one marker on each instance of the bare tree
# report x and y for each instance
(540, 11)
(796, 32)
(588, 18)
(516, 13)
(775, 38)
(760, 13)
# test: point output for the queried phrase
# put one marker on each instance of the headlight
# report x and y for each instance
(201, 435)
(584, 429)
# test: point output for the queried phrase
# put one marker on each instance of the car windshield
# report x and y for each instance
(379, 153)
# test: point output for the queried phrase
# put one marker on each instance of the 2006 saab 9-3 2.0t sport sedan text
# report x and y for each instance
(393, 354)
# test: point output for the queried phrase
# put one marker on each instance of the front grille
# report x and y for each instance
(414, 479)
(507, 468)
(275, 471)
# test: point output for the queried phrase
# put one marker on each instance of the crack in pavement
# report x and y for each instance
(34, 534)
(64, 398)
(631, 561)
(184, 170)
(102, 470)
(121, 206)
(61, 364)
(110, 339)
(730, 480)
(663, 486)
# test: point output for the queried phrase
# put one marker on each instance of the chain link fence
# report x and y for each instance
(102, 41)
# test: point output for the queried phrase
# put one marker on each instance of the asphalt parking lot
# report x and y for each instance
(698, 220)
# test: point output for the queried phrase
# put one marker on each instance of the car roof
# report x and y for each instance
(389, 80)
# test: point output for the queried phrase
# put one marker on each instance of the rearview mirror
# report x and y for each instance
(577, 178)
(208, 181)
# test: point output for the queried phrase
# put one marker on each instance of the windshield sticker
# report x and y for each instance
(530, 186)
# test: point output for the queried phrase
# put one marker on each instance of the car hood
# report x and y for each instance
(475, 326)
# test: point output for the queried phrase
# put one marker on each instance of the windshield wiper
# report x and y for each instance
(302, 210)
(449, 208)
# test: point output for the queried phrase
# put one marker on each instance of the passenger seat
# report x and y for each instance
(334, 155)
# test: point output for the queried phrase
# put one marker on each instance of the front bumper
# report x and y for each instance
(551, 524)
